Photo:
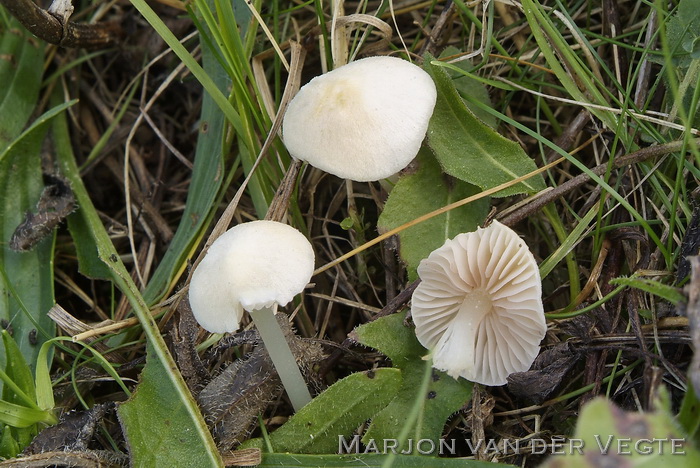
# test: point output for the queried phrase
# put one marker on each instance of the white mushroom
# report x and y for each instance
(478, 307)
(363, 121)
(255, 266)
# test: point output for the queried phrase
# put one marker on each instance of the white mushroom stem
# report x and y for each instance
(281, 355)
(450, 352)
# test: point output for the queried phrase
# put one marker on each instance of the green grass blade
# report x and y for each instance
(576, 78)
(21, 416)
(191, 64)
(207, 179)
(18, 372)
(20, 75)
(44, 388)
(568, 245)
(595, 178)
(35, 126)
(664, 291)
(174, 403)
(369, 460)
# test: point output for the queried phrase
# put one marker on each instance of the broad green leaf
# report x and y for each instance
(683, 32)
(390, 336)
(369, 460)
(671, 294)
(426, 190)
(164, 390)
(466, 85)
(470, 150)
(26, 278)
(336, 412)
(444, 395)
(156, 424)
(609, 436)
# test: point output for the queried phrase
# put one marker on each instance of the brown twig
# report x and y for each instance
(55, 30)
(561, 190)
(434, 39)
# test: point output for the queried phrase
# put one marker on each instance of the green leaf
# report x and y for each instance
(26, 278)
(11, 41)
(18, 371)
(369, 460)
(44, 387)
(671, 294)
(36, 128)
(347, 223)
(8, 445)
(470, 150)
(575, 76)
(395, 340)
(612, 437)
(336, 412)
(21, 416)
(89, 263)
(156, 424)
(683, 32)
(444, 395)
(467, 85)
(26, 281)
(424, 191)
(20, 74)
(165, 392)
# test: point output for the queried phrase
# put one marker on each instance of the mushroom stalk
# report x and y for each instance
(281, 355)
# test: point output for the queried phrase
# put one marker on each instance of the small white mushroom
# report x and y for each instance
(478, 307)
(363, 121)
(255, 266)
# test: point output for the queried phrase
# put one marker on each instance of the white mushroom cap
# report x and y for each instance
(479, 305)
(249, 267)
(363, 121)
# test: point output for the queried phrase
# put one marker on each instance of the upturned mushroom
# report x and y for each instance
(363, 121)
(255, 267)
(478, 307)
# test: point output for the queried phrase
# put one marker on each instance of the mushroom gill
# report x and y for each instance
(479, 307)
